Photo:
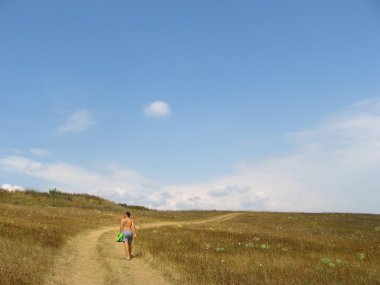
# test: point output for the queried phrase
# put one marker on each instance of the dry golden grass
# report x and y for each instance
(254, 248)
(34, 226)
(270, 248)
(152, 216)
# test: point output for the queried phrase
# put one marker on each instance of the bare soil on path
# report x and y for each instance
(93, 257)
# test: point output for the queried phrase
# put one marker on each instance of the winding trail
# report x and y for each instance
(93, 257)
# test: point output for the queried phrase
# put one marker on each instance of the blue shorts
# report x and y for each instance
(127, 235)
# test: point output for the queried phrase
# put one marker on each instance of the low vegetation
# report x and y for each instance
(270, 248)
(56, 198)
(253, 248)
(34, 227)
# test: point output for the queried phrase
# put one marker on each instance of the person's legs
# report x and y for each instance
(130, 248)
(128, 237)
(127, 251)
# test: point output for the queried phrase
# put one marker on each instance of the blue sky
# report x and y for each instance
(257, 105)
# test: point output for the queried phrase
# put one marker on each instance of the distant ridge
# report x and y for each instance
(56, 198)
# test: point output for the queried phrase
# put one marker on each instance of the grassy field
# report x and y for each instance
(253, 248)
(270, 248)
(34, 227)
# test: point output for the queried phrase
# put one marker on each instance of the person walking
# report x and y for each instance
(127, 227)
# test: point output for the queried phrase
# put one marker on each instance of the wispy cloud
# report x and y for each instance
(111, 182)
(157, 109)
(39, 152)
(78, 121)
(335, 168)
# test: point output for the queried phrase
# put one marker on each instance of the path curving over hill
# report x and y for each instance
(93, 257)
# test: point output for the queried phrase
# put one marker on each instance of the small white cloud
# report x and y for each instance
(10, 188)
(78, 121)
(157, 109)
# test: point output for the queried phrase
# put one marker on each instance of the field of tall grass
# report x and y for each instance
(253, 248)
(269, 248)
(34, 227)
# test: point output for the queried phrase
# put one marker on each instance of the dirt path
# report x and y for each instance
(93, 257)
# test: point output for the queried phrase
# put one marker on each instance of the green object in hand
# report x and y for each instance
(120, 237)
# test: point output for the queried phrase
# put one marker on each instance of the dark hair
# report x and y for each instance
(128, 214)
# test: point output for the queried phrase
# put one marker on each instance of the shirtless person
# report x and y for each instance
(127, 227)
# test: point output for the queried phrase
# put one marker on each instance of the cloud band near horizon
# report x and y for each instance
(335, 168)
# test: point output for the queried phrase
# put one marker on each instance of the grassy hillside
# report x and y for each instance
(270, 248)
(55, 198)
(254, 248)
(34, 226)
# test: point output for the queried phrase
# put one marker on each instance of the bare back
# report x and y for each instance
(127, 224)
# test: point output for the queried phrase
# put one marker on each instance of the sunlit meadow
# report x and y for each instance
(270, 248)
(35, 226)
(251, 248)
